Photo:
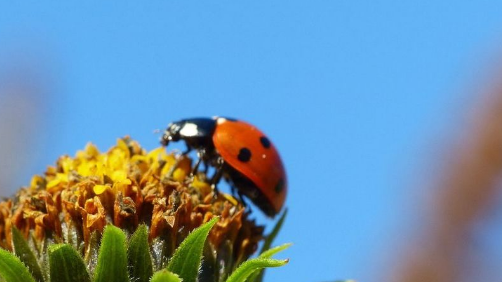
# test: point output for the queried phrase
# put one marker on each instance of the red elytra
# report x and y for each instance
(264, 167)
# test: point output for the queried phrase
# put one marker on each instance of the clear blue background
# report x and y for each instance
(353, 93)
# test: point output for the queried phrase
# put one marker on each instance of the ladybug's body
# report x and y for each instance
(240, 152)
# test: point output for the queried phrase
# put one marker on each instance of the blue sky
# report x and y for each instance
(353, 93)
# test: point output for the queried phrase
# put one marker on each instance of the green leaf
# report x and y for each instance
(66, 265)
(258, 275)
(165, 276)
(112, 259)
(270, 237)
(12, 269)
(248, 268)
(26, 255)
(138, 254)
(186, 259)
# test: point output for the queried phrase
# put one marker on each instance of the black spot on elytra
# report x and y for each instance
(279, 187)
(244, 154)
(265, 142)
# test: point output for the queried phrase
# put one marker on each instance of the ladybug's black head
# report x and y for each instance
(197, 132)
(172, 133)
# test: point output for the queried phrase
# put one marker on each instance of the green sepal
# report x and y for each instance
(12, 269)
(165, 276)
(247, 268)
(23, 251)
(270, 237)
(112, 258)
(269, 253)
(186, 259)
(138, 254)
(258, 275)
(66, 264)
(91, 252)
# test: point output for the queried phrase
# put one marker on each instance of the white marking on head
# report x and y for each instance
(189, 130)
(220, 120)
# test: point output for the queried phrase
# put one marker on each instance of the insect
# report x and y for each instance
(240, 153)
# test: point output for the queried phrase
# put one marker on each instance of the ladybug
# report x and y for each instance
(240, 153)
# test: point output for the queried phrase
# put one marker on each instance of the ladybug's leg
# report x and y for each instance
(188, 150)
(195, 167)
(201, 155)
(206, 167)
(237, 192)
(217, 176)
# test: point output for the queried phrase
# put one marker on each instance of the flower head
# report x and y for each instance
(127, 186)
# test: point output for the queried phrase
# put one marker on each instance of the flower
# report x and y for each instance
(126, 186)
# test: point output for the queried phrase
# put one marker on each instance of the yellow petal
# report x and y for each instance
(156, 153)
(87, 168)
(201, 185)
(66, 163)
(118, 175)
(54, 184)
(91, 150)
(179, 174)
(99, 189)
(230, 198)
(141, 161)
(36, 180)
(122, 145)
(80, 155)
